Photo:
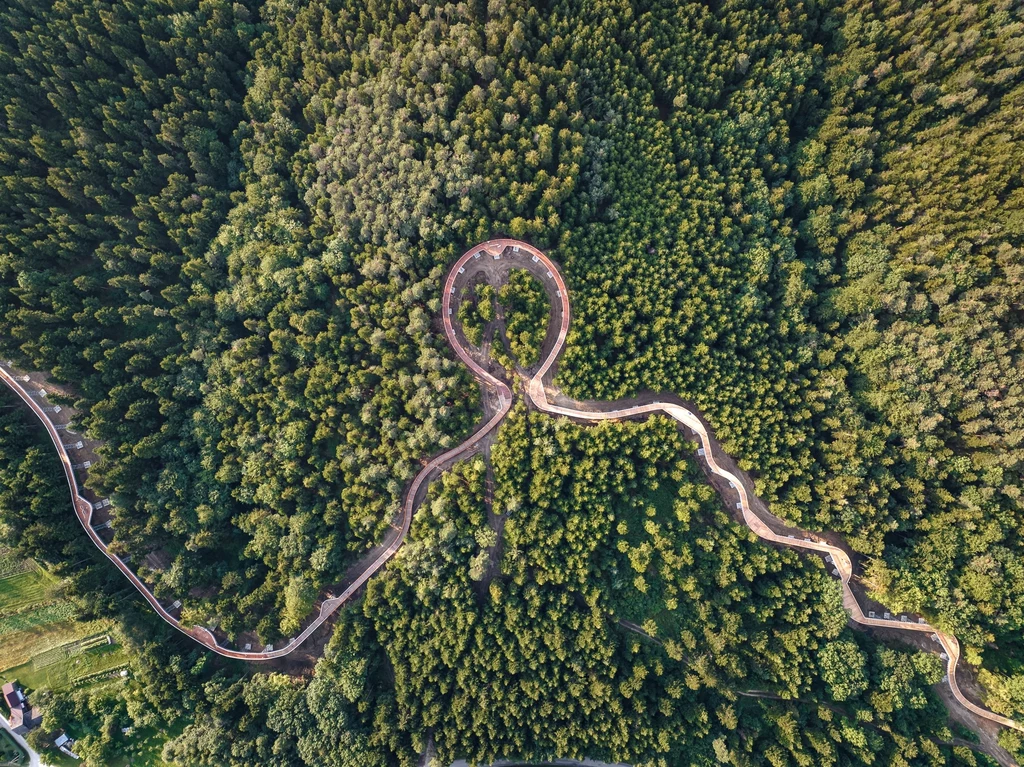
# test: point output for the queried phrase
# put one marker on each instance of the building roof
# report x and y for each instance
(61, 740)
(12, 696)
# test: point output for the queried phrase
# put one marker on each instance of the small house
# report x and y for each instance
(64, 743)
(23, 716)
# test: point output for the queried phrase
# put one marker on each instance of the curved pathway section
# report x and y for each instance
(31, 395)
(524, 256)
(546, 270)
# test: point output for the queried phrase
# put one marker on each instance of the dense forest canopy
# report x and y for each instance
(659, 611)
(225, 226)
(526, 309)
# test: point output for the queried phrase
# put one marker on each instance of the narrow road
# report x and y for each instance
(525, 256)
(34, 760)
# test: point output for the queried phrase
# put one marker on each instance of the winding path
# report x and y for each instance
(522, 255)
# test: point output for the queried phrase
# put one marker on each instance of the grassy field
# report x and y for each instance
(69, 670)
(30, 587)
(43, 645)
(18, 648)
(11, 564)
(34, 618)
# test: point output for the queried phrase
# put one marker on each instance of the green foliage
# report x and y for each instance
(475, 311)
(843, 669)
(527, 310)
(84, 686)
(911, 209)
(99, 716)
(465, 654)
(173, 336)
(10, 752)
(485, 306)
(1012, 741)
(299, 598)
(500, 355)
(226, 224)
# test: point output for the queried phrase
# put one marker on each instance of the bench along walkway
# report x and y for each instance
(521, 255)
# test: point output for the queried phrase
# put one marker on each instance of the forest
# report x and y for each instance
(515, 342)
(225, 226)
(659, 610)
(526, 309)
